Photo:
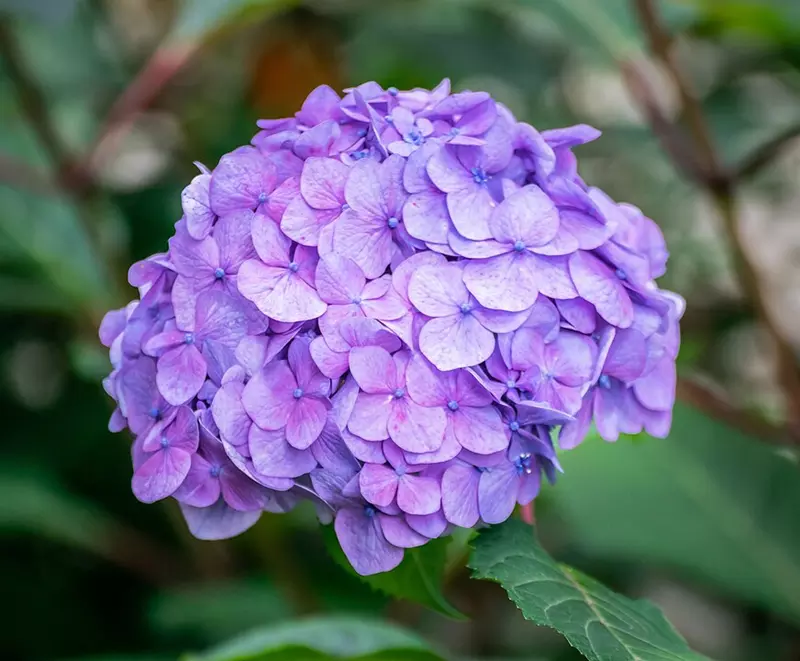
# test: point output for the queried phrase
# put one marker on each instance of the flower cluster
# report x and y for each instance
(388, 304)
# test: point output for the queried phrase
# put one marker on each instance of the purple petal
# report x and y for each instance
(399, 533)
(240, 179)
(161, 474)
(367, 241)
(426, 217)
(479, 430)
(426, 384)
(196, 207)
(460, 495)
(268, 397)
(378, 484)
(270, 243)
(447, 172)
(303, 224)
(602, 288)
(181, 373)
(339, 280)
(322, 182)
(373, 369)
(656, 390)
(279, 293)
(364, 543)
(456, 341)
(332, 364)
(497, 492)
(217, 521)
(571, 358)
(306, 422)
(416, 428)
(578, 313)
(370, 416)
(527, 216)
(470, 210)
(506, 282)
(430, 525)
(366, 451)
(230, 415)
(627, 355)
(437, 291)
(233, 236)
(419, 495)
(572, 433)
(273, 456)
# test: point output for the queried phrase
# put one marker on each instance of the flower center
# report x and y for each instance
(219, 273)
(452, 405)
(479, 176)
(214, 471)
(388, 119)
(356, 300)
(513, 425)
(523, 464)
(155, 413)
(465, 308)
(297, 393)
(400, 471)
(399, 393)
(358, 155)
(604, 381)
(164, 442)
(369, 510)
(294, 267)
(263, 197)
(511, 383)
(345, 206)
(519, 246)
(393, 91)
(414, 137)
(392, 222)
(621, 274)
(188, 338)
(455, 131)
(361, 133)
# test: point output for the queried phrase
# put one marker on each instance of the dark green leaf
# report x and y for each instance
(324, 638)
(601, 624)
(708, 500)
(418, 578)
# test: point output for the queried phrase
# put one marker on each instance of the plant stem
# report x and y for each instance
(721, 188)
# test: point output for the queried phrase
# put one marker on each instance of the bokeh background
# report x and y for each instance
(104, 105)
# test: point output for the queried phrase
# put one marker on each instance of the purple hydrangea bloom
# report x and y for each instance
(389, 304)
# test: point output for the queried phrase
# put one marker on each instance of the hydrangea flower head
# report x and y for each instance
(391, 304)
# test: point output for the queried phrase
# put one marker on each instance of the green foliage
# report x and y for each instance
(709, 501)
(200, 18)
(324, 638)
(418, 578)
(601, 624)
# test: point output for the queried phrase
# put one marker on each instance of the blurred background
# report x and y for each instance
(104, 105)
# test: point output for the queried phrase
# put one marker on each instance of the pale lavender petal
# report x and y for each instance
(196, 207)
(528, 216)
(374, 370)
(401, 274)
(426, 217)
(306, 422)
(303, 224)
(399, 533)
(578, 313)
(506, 282)
(332, 364)
(656, 390)
(415, 428)
(370, 417)
(322, 182)
(367, 242)
(233, 236)
(437, 291)
(602, 288)
(332, 453)
(460, 495)
(343, 402)
(571, 358)
(230, 415)
(181, 373)
(500, 321)
(497, 492)
(378, 484)
(270, 243)
(426, 384)
(475, 249)
(370, 452)
(364, 543)
(273, 456)
(572, 433)
(240, 180)
(470, 210)
(339, 280)
(279, 293)
(447, 173)
(430, 525)
(456, 341)
(268, 397)
(479, 430)
(161, 474)
(449, 449)
(217, 521)
(419, 495)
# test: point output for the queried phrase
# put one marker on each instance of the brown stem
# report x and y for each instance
(764, 154)
(716, 405)
(721, 189)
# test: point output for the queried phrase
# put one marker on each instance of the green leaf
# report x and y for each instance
(601, 624)
(708, 501)
(217, 610)
(199, 18)
(324, 638)
(418, 578)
